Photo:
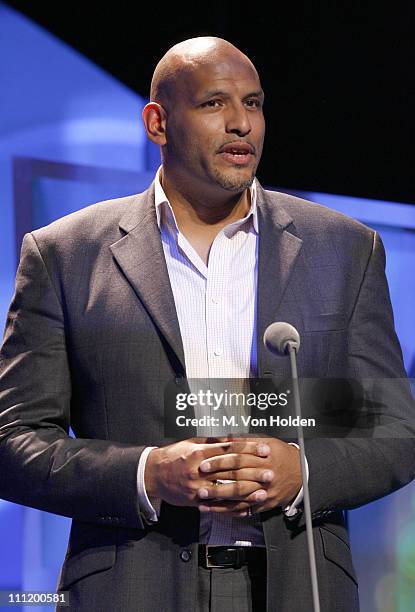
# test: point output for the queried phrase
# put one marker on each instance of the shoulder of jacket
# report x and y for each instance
(311, 217)
(93, 224)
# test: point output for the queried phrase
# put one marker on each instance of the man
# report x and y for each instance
(114, 302)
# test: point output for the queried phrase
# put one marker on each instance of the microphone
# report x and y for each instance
(281, 339)
(279, 336)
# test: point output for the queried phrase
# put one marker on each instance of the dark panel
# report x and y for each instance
(339, 80)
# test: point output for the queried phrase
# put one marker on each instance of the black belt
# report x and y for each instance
(230, 556)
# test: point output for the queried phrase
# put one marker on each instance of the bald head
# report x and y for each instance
(182, 59)
(206, 114)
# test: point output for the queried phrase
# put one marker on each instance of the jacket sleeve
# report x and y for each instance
(40, 464)
(348, 472)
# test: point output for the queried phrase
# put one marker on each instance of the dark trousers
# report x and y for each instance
(232, 590)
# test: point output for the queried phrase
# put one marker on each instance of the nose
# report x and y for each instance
(237, 121)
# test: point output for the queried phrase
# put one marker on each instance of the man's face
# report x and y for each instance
(215, 126)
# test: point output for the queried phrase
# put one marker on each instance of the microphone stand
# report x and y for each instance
(291, 347)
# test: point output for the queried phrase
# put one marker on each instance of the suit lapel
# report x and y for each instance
(141, 258)
(278, 253)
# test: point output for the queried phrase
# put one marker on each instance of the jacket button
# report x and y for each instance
(186, 555)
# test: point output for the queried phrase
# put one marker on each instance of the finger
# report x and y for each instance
(253, 447)
(243, 511)
(241, 489)
(213, 450)
(259, 475)
(231, 461)
(234, 506)
(231, 437)
(231, 507)
(258, 448)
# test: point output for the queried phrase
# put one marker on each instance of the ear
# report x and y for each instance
(154, 119)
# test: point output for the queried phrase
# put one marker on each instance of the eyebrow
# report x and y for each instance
(218, 92)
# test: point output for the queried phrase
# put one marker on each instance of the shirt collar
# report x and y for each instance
(160, 199)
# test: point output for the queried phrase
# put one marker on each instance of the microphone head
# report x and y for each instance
(279, 335)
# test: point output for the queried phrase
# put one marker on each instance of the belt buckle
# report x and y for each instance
(236, 565)
(208, 563)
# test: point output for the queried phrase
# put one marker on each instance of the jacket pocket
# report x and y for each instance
(337, 551)
(85, 564)
(330, 321)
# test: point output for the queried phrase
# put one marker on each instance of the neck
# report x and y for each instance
(203, 208)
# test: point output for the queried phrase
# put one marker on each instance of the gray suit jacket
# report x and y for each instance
(91, 340)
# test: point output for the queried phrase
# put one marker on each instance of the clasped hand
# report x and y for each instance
(264, 473)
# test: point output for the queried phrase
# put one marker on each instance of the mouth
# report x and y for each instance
(238, 153)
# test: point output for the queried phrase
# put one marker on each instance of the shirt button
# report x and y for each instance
(186, 555)
(218, 352)
(215, 300)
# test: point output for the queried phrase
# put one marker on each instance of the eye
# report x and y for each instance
(211, 103)
(253, 103)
